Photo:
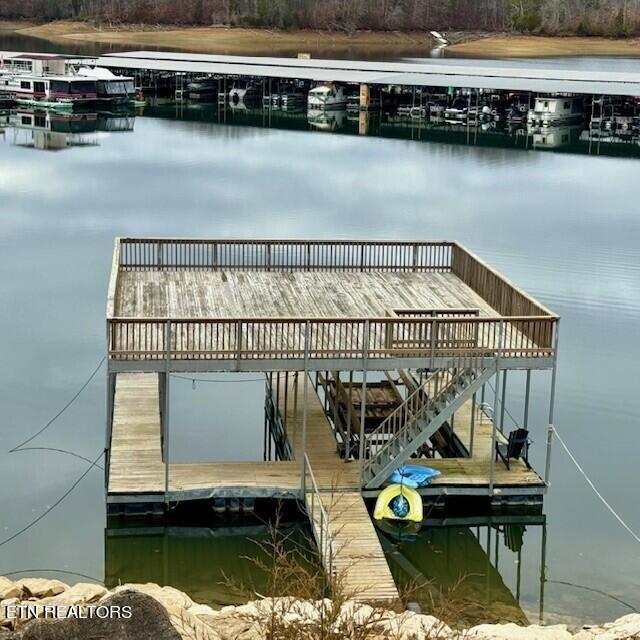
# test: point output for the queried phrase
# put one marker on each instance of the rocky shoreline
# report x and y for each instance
(39, 609)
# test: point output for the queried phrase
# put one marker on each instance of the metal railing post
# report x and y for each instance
(363, 399)
(552, 399)
(527, 394)
(305, 400)
(238, 344)
(167, 421)
(492, 459)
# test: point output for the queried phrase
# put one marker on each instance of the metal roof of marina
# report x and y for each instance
(428, 73)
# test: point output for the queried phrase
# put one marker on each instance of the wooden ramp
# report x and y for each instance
(358, 559)
(358, 562)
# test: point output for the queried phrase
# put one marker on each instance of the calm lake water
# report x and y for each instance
(563, 225)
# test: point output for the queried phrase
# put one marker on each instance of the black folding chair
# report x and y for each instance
(517, 447)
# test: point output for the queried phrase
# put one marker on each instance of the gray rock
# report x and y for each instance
(150, 621)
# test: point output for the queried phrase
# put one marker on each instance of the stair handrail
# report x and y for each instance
(423, 407)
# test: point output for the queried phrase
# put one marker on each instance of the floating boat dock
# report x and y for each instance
(427, 324)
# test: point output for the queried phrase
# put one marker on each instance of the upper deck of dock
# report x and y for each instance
(272, 304)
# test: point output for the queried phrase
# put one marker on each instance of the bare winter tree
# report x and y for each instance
(586, 17)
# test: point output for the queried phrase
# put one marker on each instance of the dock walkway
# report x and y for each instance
(359, 560)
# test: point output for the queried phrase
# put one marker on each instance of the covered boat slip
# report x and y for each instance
(339, 516)
(431, 74)
(137, 469)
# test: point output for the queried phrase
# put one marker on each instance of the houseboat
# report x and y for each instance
(549, 111)
(327, 96)
(110, 88)
(49, 91)
(52, 81)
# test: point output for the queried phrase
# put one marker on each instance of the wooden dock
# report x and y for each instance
(388, 312)
(137, 473)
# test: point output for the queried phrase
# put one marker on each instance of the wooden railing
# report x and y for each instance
(502, 294)
(525, 327)
(279, 338)
(284, 255)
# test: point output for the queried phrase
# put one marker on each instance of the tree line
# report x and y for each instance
(581, 17)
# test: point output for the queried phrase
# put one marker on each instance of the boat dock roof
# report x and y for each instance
(426, 73)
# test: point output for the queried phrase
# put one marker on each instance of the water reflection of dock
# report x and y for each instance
(578, 139)
(192, 559)
(462, 557)
(459, 557)
(50, 130)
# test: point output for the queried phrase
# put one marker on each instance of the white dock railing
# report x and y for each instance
(319, 518)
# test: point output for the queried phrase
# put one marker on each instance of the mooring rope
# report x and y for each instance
(55, 504)
(593, 486)
(92, 463)
(66, 406)
(62, 571)
(55, 449)
(598, 591)
(590, 482)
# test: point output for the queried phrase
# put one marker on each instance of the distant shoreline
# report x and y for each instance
(236, 40)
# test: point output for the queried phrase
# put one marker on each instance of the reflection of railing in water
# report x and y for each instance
(468, 548)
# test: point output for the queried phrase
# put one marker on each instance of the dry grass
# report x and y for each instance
(302, 602)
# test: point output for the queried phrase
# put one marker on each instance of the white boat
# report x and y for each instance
(327, 96)
(554, 111)
(109, 87)
(457, 112)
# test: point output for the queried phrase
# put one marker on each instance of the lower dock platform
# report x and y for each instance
(137, 474)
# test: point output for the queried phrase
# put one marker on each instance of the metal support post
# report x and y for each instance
(552, 399)
(363, 399)
(305, 408)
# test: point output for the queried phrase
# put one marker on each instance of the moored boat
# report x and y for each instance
(326, 96)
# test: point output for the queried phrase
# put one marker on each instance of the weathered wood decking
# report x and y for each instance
(358, 560)
(262, 294)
